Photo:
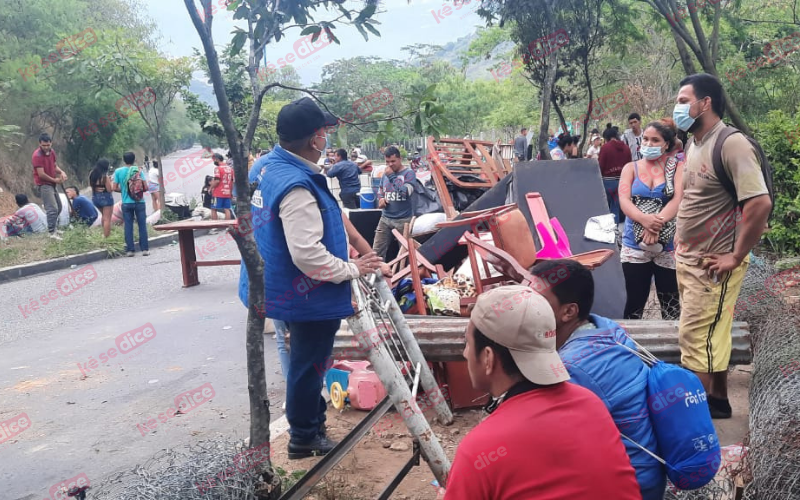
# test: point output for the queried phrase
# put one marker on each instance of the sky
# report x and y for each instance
(402, 23)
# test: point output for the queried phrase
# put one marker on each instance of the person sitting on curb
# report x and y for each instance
(589, 347)
(543, 438)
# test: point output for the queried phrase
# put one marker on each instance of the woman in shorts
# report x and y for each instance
(102, 198)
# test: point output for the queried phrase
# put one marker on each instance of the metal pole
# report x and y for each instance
(398, 390)
(432, 389)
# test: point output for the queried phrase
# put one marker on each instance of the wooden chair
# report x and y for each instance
(418, 267)
(466, 157)
(511, 269)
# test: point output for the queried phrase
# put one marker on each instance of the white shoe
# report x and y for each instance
(56, 237)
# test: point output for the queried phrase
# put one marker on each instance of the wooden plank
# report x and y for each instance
(196, 224)
(209, 263)
(442, 339)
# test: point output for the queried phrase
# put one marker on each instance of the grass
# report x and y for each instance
(77, 239)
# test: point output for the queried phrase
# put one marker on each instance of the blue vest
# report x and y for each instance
(290, 295)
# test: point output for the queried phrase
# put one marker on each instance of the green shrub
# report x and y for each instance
(779, 135)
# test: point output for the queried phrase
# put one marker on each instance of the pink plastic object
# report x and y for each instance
(365, 390)
(548, 229)
(553, 249)
(351, 366)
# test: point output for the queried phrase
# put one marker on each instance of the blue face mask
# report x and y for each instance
(682, 118)
(651, 152)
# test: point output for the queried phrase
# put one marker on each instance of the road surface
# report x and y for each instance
(87, 414)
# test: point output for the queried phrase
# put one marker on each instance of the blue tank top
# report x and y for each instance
(639, 188)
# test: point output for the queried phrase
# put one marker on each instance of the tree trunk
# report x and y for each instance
(686, 57)
(547, 88)
(251, 258)
(561, 118)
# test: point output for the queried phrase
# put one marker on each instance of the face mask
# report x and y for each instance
(682, 118)
(320, 151)
(651, 152)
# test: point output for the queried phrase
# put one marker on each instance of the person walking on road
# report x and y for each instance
(131, 207)
(306, 269)
(46, 175)
(221, 187)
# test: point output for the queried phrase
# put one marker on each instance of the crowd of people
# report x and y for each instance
(557, 404)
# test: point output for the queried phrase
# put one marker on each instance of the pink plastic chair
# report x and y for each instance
(548, 230)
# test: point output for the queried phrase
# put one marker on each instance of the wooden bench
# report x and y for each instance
(189, 262)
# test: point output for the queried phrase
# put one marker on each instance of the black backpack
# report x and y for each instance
(722, 175)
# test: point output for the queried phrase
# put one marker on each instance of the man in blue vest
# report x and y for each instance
(303, 236)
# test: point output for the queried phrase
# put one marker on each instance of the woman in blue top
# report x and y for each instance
(650, 192)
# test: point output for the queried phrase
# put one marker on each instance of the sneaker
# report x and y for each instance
(130, 254)
(56, 237)
(719, 408)
(146, 253)
(318, 447)
(213, 231)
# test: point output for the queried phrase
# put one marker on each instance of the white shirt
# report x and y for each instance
(302, 223)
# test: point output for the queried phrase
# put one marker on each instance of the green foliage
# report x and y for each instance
(779, 135)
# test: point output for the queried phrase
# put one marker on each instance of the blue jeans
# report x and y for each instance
(128, 212)
(280, 343)
(612, 194)
(312, 345)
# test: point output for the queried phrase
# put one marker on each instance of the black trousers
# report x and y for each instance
(350, 200)
(637, 285)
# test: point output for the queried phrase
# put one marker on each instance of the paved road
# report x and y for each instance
(83, 419)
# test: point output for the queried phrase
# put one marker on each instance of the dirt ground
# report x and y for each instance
(364, 473)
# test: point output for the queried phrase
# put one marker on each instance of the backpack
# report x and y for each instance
(722, 175)
(136, 185)
(686, 437)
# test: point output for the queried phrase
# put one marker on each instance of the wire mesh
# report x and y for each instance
(770, 469)
(202, 471)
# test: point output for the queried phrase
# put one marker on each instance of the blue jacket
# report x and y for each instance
(619, 378)
(290, 295)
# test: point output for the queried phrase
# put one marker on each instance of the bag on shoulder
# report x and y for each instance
(686, 437)
(136, 185)
(722, 175)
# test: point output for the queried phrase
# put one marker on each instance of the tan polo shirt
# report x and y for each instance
(707, 217)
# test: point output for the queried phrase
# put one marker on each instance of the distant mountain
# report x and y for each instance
(204, 90)
(477, 69)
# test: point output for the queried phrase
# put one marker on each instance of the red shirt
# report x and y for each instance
(225, 187)
(46, 162)
(554, 443)
(613, 156)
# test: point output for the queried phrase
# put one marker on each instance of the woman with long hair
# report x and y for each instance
(650, 191)
(100, 182)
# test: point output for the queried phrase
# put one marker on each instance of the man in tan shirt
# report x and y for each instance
(714, 235)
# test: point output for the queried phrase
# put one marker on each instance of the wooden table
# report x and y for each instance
(189, 262)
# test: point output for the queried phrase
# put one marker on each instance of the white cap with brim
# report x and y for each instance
(521, 320)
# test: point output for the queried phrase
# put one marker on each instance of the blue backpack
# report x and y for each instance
(682, 424)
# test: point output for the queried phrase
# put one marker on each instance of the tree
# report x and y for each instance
(266, 21)
(146, 83)
(705, 49)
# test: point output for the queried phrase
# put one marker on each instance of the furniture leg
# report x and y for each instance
(188, 258)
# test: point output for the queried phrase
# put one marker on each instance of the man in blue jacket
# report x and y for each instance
(303, 236)
(589, 347)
